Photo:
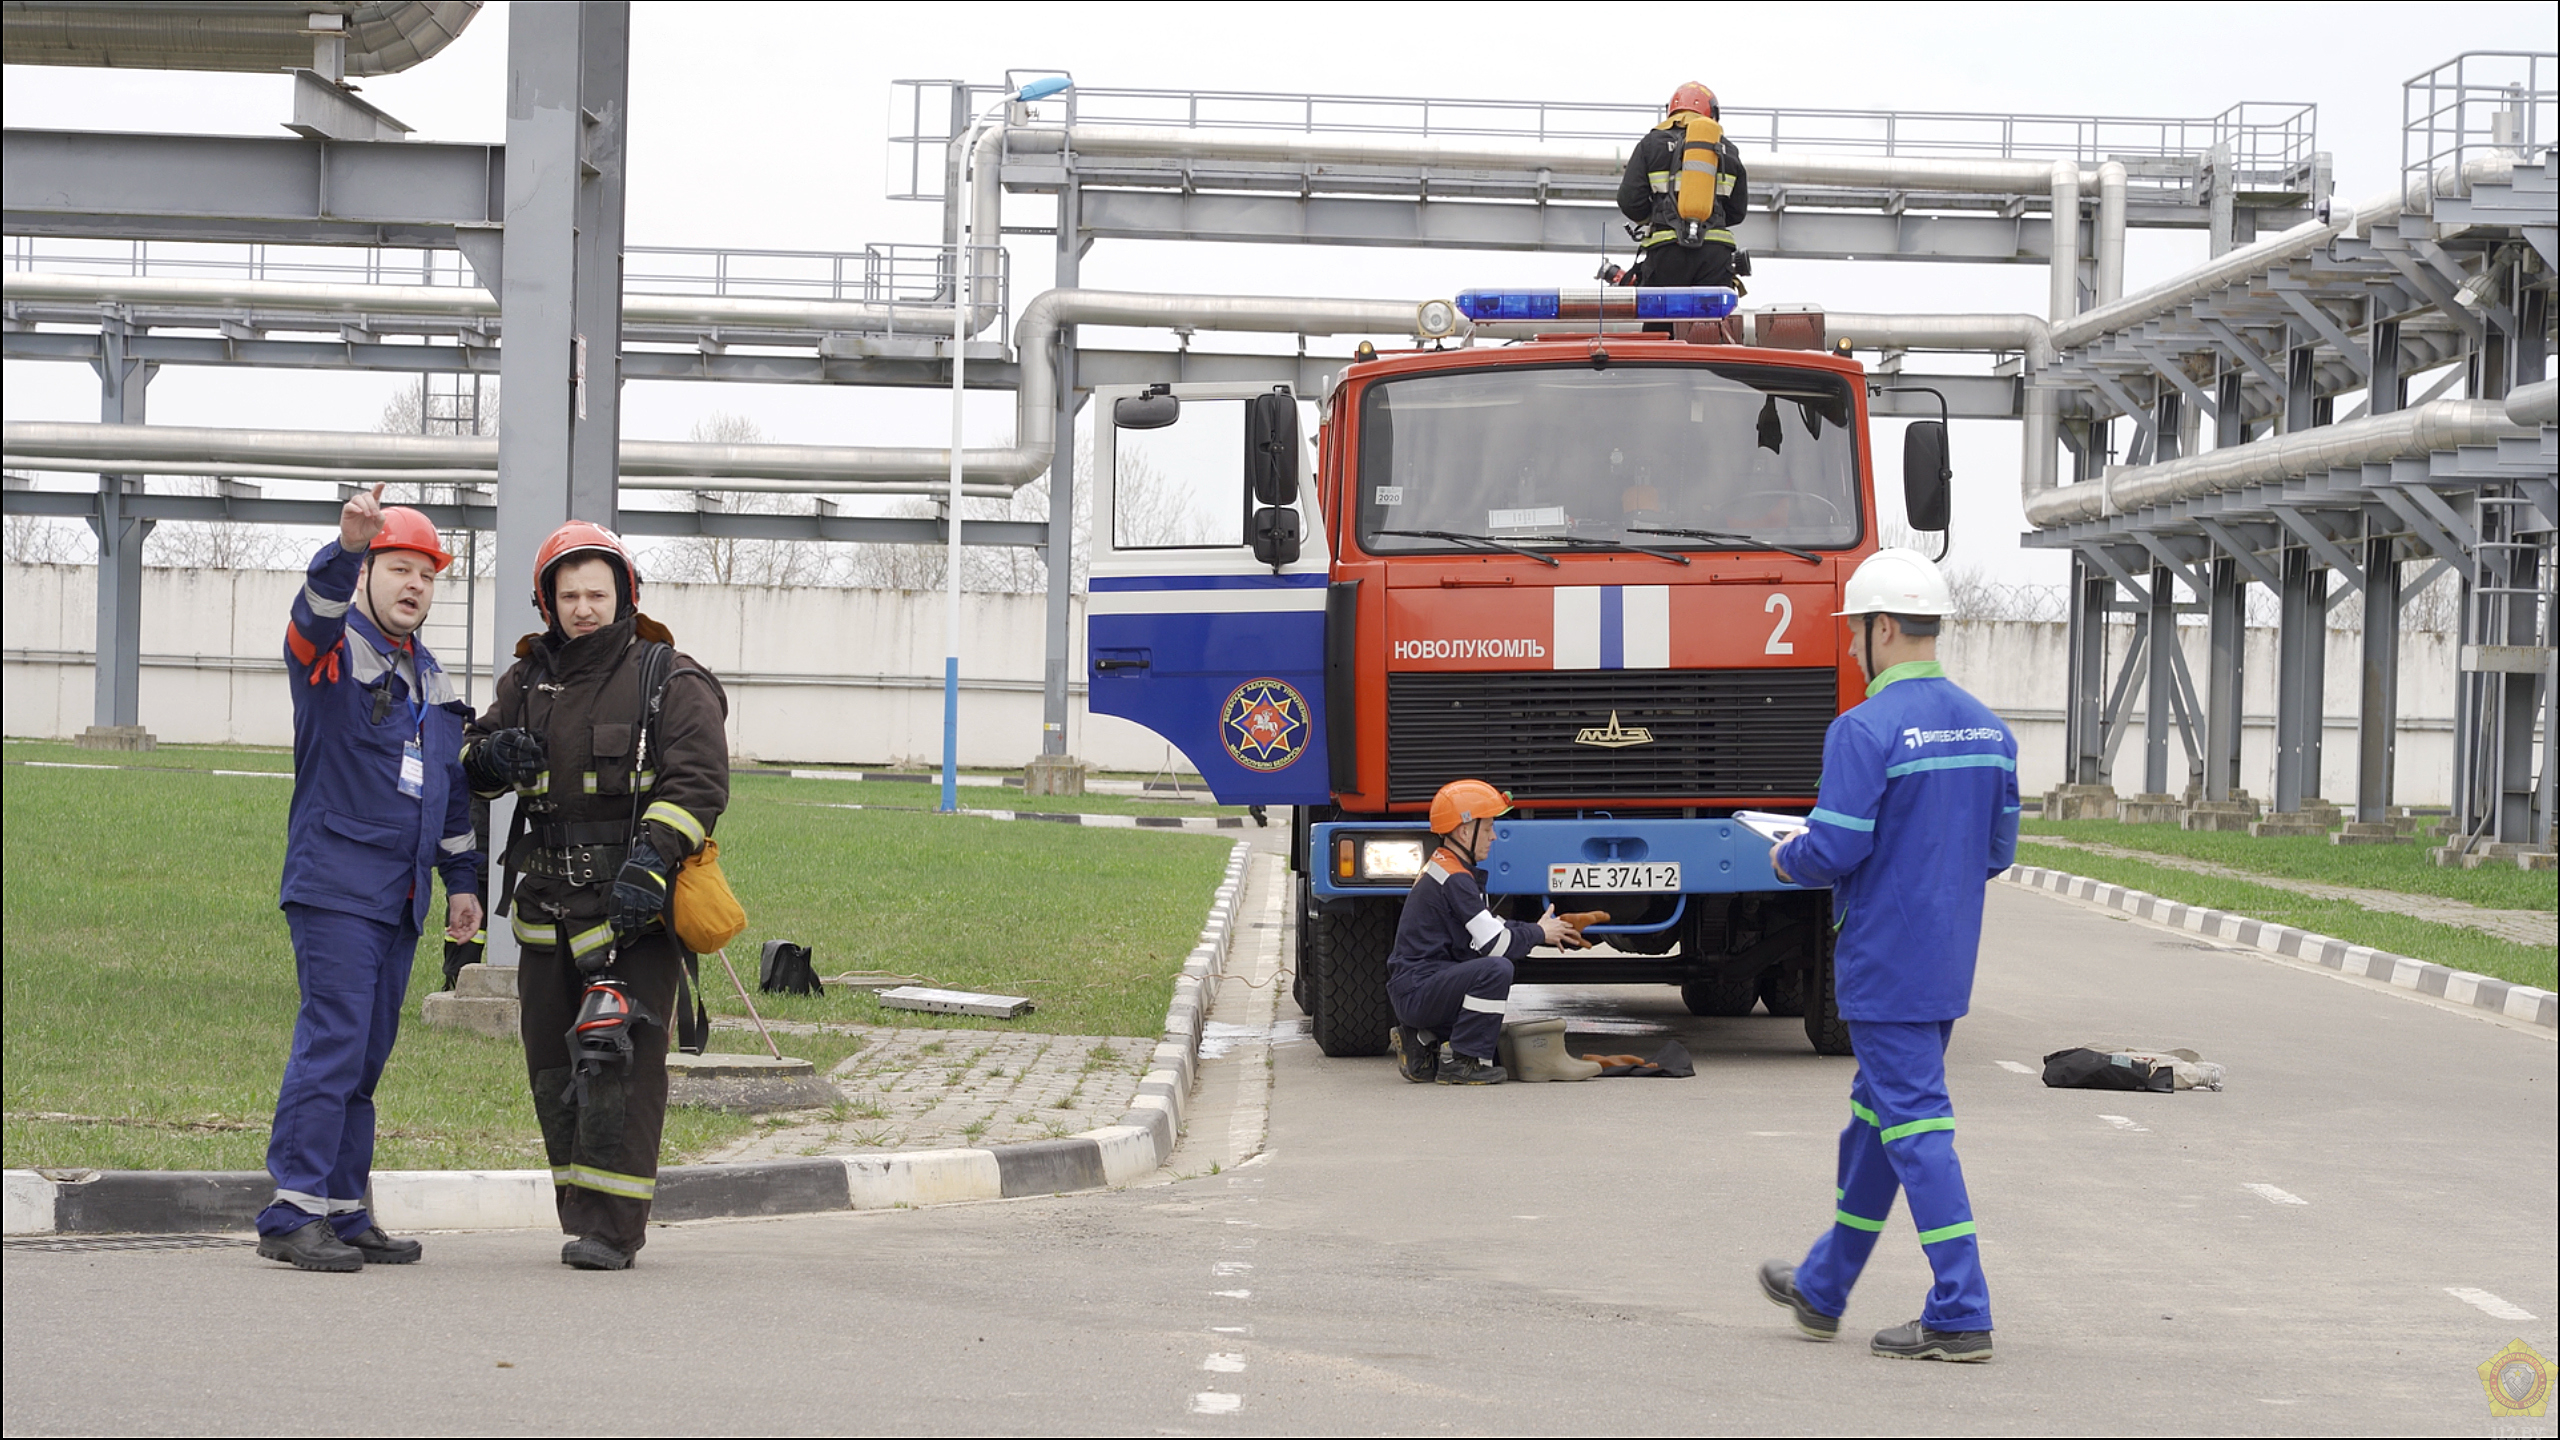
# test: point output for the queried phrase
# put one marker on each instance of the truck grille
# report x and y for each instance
(1715, 732)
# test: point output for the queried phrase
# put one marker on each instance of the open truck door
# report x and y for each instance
(1204, 618)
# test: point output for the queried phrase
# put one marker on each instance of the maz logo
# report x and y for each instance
(1613, 736)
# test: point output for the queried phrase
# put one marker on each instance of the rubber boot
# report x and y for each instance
(1534, 1050)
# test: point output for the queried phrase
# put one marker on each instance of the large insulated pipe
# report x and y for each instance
(259, 36)
(2373, 439)
(747, 312)
(2063, 274)
(2534, 404)
(2027, 335)
(2111, 181)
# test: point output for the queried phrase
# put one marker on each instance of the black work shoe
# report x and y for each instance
(586, 1254)
(1461, 1069)
(1778, 1285)
(312, 1247)
(1917, 1341)
(378, 1248)
(1417, 1059)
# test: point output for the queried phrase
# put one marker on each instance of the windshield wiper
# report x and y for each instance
(1739, 542)
(1595, 542)
(1464, 538)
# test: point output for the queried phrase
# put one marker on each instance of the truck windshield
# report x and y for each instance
(1560, 454)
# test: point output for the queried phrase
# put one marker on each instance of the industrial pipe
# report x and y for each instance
(2534, 404)
(2370, 440)
(357, 475)
(257, 36)
(2111, 181)
(2063, 273)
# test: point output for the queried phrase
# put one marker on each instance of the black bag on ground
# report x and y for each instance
(2083, 1069)
(786, 970)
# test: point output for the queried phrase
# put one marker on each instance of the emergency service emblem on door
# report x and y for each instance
(1264, 725)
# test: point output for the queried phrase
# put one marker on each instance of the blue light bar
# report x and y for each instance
(1593, 303)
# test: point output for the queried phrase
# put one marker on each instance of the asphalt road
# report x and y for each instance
(1566, 1259)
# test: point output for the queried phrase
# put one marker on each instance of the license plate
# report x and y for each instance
(1659, 876)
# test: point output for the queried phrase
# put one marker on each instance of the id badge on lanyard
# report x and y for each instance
(413, 755)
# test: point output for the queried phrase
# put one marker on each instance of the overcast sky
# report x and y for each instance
(765, 126)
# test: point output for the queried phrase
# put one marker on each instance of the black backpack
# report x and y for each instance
(787, 970)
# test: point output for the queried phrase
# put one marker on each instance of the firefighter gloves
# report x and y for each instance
(640, 891)
(505, 760)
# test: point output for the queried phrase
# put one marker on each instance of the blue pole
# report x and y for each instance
(950, 733)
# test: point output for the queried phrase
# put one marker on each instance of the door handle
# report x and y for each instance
(1120, 665)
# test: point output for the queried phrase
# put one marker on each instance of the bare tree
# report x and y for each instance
(219, 544)
(729, 560)
(40, 540)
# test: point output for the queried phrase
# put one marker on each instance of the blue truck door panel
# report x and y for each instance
(1207, 647)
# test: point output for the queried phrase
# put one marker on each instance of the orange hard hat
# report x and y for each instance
(1695, 98)
(581, 537)
(1460, 801)
(406, 529)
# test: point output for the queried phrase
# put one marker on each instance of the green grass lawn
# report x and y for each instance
(149, 980)
(901, 794)
(2454, 945)
(2406, 868)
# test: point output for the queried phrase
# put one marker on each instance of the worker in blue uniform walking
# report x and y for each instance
(1449, 972)
(1919, 809)
(379, 802)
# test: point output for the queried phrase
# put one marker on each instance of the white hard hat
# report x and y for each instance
(1897, 582)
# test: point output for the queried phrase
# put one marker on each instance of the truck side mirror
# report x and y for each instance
(1154, 410)
(1275, 536)
(1271, 448)
(1926, 496)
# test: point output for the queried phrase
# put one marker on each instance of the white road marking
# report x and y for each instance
(1225, 1362)
(1239, 1294)
(2125, 1122)
(2014, 1068)
(1231, 1267)
(1230, 1329)
(2483, 1300)
(2274, 1196)
(1211, 1402)
(1771, 1134)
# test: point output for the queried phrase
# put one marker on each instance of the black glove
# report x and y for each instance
(504, 760)
(640, 891)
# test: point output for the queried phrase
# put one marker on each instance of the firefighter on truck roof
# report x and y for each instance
(378, 804)
(613, 793)
(1683, 236)
(1919, 809)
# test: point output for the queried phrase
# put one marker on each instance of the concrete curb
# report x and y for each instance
(2516, 1002)
(1095, 821)
(47, 1202)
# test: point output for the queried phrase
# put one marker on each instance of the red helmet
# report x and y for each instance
(1695, 98)
(406, 529)
(581, 537)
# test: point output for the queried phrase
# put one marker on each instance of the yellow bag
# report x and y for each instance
(1695, 184)
(707, 913)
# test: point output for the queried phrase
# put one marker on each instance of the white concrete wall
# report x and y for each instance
(854, 676)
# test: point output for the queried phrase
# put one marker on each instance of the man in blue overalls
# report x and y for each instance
(379, 800)
(1919, 808)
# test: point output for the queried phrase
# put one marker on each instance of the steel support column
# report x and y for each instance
(121, 386)
(2228, 643)
(2301, 389)
(2160, 684)
(2513, 602)
(2378, 707)
(1058, 625)
(2386, 389)
(2301, 629)
(561, 300)
(2230, 422)
(2084, 737)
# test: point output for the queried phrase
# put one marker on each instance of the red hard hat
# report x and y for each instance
(406, 529)
(580, 537)
(1695, 98)
(1460, 801)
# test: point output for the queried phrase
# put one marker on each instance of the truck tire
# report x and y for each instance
(1822, 1023)
(1724, 993)
(1782, 989)
(1352, 1015)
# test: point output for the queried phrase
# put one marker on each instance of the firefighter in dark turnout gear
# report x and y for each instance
(610, 802)
(1449, 971)
(1669, 252)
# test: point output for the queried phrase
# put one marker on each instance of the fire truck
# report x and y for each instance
(1594, 565)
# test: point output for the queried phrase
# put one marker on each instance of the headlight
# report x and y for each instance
(1391, 859)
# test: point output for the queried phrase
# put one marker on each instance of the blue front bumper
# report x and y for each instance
(1715, 856)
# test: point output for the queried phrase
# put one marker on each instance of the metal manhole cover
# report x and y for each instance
(129, 1242)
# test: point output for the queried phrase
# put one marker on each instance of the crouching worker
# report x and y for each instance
(615, 747)
(378, 804)
(1449, 975)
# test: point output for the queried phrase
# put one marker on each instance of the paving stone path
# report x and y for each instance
(945, 1089)
(2525, 927)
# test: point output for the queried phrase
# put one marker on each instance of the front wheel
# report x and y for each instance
(1349, 981)
(1822, 1023)
(1719, 994)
